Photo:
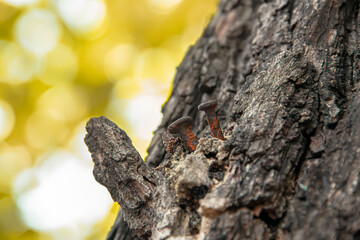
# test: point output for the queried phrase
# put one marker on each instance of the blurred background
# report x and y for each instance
(62, 62)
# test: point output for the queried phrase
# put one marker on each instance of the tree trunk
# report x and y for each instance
(286, 77)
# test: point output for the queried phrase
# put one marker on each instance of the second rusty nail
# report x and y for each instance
(209, 109)
(182, 127)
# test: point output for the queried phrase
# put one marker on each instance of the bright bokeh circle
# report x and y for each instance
(65, 195)
(21, 3)
(38, 31)
(16, 65)
(163, 6)
(81, 16)
(120, 61)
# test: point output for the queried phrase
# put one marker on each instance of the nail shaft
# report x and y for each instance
(209, 109)
(182, 127)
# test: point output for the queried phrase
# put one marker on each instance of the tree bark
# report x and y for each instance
(286, 76)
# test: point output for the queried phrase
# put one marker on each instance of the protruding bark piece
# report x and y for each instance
(120, 168)
(148, 204)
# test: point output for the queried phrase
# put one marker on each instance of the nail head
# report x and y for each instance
(175, 127)
(207, 105)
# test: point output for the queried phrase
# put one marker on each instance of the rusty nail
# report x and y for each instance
(209, 109)
(182, 127)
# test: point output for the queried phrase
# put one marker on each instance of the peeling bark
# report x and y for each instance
(286, 76)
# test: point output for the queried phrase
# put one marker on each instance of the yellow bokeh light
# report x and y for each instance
(12, 161)
(120, 61)
(57, 174)
(44, 131)
(63, 103)
(38, 31)
(17, 65)
(58, 66)
(91, 57)
(144, 114)
(7, 119)
(81, 16)
(76, 144)
(155, 64)
(9, 219)
(163, 6)
(21, 3)
(6, 11)
(126, 88)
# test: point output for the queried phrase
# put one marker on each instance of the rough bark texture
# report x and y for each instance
(286, 76)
